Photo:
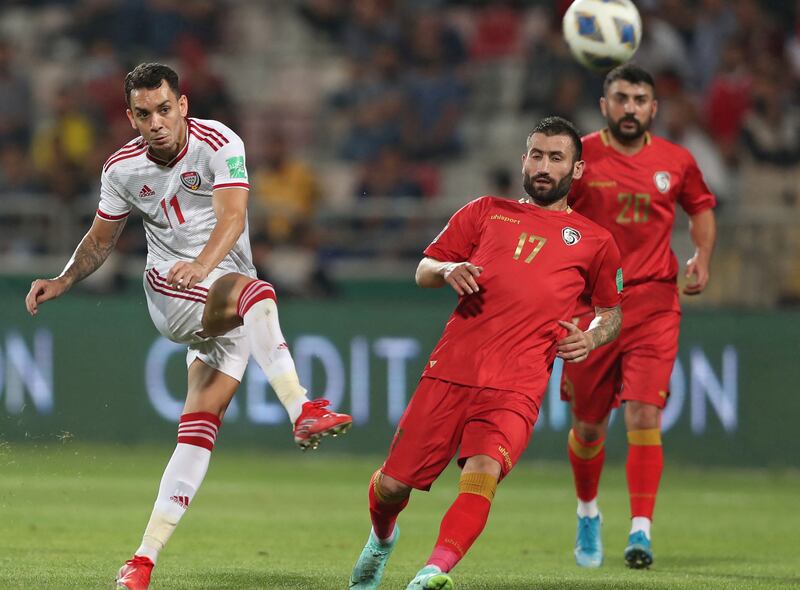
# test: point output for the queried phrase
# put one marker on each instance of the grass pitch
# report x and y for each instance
(71, 514)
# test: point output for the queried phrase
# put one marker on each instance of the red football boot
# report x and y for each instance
(135, 574)
(315, 422)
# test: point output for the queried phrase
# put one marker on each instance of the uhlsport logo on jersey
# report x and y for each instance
(662, 181)
(570, 236)
(191, 180)
(236, 166)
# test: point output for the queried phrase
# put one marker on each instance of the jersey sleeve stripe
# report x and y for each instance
(125, 150)
(231, 185)
(193, 133)
(110, 163)
(161, 278)
(208, 136)
(210, 130)
(109, 217)
(175, 295)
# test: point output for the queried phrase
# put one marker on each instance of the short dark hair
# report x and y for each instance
(630, 72)
(550, 126)
(150, 76)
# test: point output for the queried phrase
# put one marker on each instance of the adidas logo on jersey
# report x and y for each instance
(146, 192)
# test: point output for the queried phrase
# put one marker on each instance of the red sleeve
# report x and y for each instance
(605, 276)
(460, 236)
(695, 196)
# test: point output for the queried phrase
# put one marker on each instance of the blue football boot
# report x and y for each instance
(588, 544)
(638, 553)
(368, 570)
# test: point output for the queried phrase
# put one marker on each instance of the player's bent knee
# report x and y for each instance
(483, 464)
(221, 313)
(588, 431)
(389, 489)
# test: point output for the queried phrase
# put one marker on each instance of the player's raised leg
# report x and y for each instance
(237, 299)
(210, 392)
(644, 467)
(387, 498)
(586, 449)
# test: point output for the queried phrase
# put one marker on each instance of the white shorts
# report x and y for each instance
(178, 315)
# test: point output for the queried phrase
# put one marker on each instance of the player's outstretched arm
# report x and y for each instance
(703, 231)
(461, 276)
(577, 344)
(90, 254)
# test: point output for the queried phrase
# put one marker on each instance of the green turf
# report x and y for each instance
(70, 514)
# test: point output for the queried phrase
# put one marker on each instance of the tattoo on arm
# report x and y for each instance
(90, 254)
(606, 325)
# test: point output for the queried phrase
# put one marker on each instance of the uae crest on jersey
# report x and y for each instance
(662, 181)
(570, 236)
(191, 180)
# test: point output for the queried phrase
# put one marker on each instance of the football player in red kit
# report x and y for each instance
(631, 185)
(518, 268)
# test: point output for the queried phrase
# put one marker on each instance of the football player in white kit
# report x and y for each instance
(187, 178)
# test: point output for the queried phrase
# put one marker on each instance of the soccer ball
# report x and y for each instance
(602, 33)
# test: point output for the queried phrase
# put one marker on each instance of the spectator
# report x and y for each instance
(375, 103)
(436, 96)
(286, 187)
(371, 25)
(16, 175)
(728, 98)
(662, 47)
(15, 100)
(62, 147)
(389, 175)
(770, 143)
(714, 24)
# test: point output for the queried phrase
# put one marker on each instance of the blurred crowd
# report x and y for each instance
(347, 105)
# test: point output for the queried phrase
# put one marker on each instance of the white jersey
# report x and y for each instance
(174, 198)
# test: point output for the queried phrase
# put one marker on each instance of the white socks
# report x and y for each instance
(589, 508)
(269, 348)
(183, 475)
(641, 523)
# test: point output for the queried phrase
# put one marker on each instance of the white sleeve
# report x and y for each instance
(112, 206)
(228, 165)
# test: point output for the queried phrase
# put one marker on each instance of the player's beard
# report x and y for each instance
(556, 192)
(615, 127)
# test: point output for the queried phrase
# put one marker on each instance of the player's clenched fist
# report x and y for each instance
(186, 274)
(43, 290)
(576, 345)
(462, 277)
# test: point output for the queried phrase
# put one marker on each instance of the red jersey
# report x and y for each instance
(536, 263)
(634, 198)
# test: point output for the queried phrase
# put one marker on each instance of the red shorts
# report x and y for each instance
(636, 366)
(443, 416)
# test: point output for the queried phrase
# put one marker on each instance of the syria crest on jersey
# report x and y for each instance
(662, 181)
(191, 180)
(570, 236)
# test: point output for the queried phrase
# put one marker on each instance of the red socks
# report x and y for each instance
(587, 464)
(383, 514)
(464, 521)
(644, 466)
